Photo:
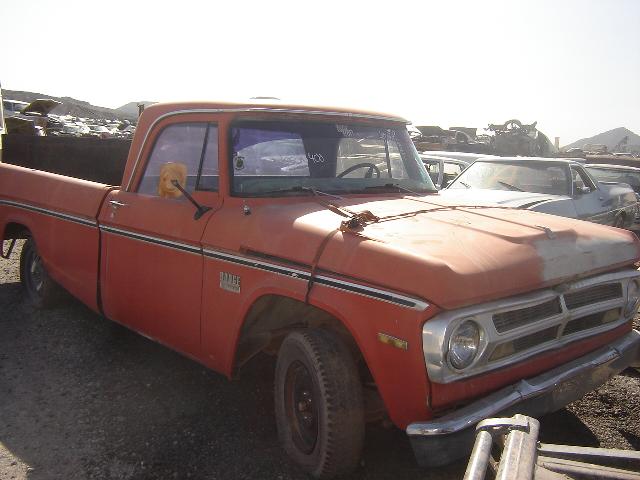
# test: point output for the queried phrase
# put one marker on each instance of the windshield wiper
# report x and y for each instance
(319, 192)
(465, 185)
(510, 187)
(298, 189)
(398, 186)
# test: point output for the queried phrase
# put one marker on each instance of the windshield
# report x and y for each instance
(629, 177)
(273, 158)
(523, 176)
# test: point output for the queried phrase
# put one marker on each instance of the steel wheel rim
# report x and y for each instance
(36, 273)
(301, 407)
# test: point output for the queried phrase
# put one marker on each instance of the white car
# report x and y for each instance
(550, 185)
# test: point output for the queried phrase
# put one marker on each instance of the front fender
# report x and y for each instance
(400, 374)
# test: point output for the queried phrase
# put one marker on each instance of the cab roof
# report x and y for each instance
(269, 105)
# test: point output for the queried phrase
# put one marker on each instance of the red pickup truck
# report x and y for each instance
(316, 235)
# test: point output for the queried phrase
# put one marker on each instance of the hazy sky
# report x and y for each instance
(574, 66)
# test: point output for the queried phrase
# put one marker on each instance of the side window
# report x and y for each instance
(581, 179)
(451, 171)
(178, 153)
(433, 167)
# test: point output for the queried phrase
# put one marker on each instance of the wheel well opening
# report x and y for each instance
(15, 231)
(273, 317)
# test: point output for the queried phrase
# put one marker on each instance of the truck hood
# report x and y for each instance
(432, 248)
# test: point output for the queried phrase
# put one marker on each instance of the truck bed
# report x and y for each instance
(62, 213)
(94, 159)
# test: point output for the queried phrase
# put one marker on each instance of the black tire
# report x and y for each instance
(41, 290)
(318, 403)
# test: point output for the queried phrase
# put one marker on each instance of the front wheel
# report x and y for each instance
(41, 290)
(318, 403)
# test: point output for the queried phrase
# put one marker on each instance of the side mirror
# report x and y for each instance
(583, 190)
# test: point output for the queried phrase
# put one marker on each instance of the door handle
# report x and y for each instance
(116, 204)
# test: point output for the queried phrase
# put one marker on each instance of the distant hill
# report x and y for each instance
(77, 108)
(610, 139)
(131, 109)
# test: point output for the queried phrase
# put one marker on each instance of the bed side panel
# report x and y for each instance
(60, 213)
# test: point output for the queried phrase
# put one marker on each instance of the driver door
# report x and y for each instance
(152, 262)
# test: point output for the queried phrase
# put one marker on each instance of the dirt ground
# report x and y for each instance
(81, 398)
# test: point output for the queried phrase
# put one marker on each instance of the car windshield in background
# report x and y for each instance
(629, 177)
(522, 176)
(282, 158)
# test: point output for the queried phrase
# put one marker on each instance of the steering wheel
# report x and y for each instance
(372, 168)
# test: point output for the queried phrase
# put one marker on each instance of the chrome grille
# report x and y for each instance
(506, 321)
(517, 328)
(524, 343)
(591, 321)
(588, 296)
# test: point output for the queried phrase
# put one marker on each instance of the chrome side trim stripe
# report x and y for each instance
(376, 293)
(258, 264)
(185, 247)
(51, 213)
(371, 292)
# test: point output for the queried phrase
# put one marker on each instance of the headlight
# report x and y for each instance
(633, 299)
(463, 344)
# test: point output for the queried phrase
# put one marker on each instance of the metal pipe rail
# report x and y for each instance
(524, 458)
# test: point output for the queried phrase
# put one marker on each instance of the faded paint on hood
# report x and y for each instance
(451, 256)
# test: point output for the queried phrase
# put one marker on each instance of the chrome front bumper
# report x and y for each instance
(448, 438)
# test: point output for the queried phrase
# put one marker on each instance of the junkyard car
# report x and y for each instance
(315, 234)
(606, 173)
(442, 170)
(462, 156)
(557, 186)
(33, 118)
(616, 174)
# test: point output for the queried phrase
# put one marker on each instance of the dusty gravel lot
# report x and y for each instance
(81, 397)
